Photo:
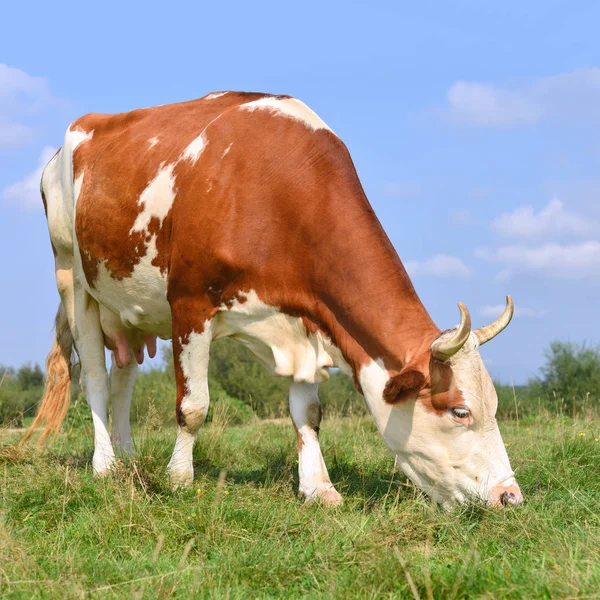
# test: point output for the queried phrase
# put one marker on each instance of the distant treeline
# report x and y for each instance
(569, 385)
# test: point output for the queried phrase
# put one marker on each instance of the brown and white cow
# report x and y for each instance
(241, 215)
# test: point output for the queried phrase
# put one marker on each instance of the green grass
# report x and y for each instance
(242, 533)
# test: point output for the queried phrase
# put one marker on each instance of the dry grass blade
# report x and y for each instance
(186, 551)
(159, 544)
(159, 576)
(428, 585)
(220, 486)
(411, 583)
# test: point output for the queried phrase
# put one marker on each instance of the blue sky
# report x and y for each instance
(474, 128)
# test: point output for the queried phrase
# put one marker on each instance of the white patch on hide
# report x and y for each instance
(226, 151)
(194, 360)
(71, 188)
(288, 107)
(195, 148)
(152, 142)
(77, 184)
(157, 198)
(59, 211)
(74, 137)
(214, 95)
(280, 342)
(139, 300)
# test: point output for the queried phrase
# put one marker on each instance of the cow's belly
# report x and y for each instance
(280, 342)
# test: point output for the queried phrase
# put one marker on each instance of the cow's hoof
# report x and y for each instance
(326, 495)
(181, 479)
(103, 465)
(101, 473)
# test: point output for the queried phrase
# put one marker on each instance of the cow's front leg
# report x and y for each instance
(305, 409)
(191, 345)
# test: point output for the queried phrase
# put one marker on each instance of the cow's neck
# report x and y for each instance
(379, 317)
(374, 311)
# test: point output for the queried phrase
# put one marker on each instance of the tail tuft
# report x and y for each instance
(55, 400)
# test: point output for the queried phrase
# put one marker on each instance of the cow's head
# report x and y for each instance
(437, 415)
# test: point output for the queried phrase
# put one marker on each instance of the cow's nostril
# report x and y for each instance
(505, 495)
(508, 498)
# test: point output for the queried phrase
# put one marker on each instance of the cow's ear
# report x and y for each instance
(403, 386)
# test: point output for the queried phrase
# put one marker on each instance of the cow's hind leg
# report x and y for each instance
(89, 342)
(84, 321)
(191, 346)
(305, 409)
(121, 390)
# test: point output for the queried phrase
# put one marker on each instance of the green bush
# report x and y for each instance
(155, 392)
(569, 385)
(20, 391)
(233, 367)
(520, 401)
(236, 412)
(572, 376)
(154, 388)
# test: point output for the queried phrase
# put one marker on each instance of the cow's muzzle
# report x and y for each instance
(506, 495)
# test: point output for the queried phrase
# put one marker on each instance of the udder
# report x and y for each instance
(124, 343)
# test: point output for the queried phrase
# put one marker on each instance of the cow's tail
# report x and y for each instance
(55, 400)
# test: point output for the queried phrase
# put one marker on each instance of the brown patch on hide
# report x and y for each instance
(407, 384)
(44, 202)
(432, 382)
(441, 393)
(313, 416)
(300, 441)
(445, 395)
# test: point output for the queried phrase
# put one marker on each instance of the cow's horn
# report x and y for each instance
(447, 348)
(485, 334)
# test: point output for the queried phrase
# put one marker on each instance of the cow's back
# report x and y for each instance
(125, 177)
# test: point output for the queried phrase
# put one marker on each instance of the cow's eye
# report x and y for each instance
(460, 413)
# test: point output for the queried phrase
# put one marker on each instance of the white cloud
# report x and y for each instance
(487, 106)
(580, 192)
(552, 220)
(493, 312)
(23, 101)
(26, 192)
(574, 95)
(561, 261)
(401, 189)
(440, 265)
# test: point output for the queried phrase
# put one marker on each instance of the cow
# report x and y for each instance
(241, 215)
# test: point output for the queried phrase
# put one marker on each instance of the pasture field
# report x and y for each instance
(240, 532)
